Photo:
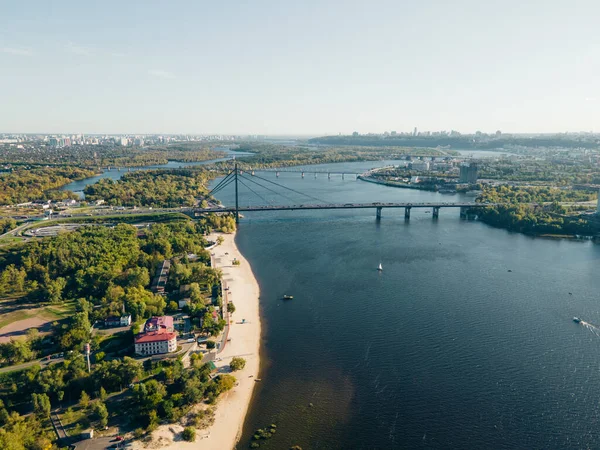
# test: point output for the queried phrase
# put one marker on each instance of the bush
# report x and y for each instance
(210, 344)
(189, 434)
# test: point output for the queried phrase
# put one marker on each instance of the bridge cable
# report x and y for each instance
(220, 182)
(214, 191)
(290, 189)
(255, 193)
(269, 189)
(224, 182)
(224, 178)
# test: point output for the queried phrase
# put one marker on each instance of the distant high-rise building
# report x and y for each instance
(124, 141)
(415, 131)
(468, 173)
(598, 207)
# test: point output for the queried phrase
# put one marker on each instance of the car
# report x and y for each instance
(119, 438)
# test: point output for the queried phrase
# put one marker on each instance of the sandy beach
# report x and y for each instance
(244, 341)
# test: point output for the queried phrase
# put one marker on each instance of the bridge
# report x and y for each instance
(236, 176)
(435, 207)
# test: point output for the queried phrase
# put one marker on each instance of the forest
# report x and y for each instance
(535, 210)
(39, 183)
(155, 188)
(151, 393)
(108, 155)
(103, 270)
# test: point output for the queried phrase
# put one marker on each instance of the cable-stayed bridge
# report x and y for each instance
(255, 183)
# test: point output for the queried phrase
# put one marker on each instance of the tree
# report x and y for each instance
(220, 240)
(237, 363)
(41, 405)
(189, 434)
(54, 289)
(173, 306)
(103, 393)
(230, 308)
(84, 400)
(100, 413)
(226, 382)
(210, 345)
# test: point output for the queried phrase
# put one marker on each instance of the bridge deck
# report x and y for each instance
(344, 206)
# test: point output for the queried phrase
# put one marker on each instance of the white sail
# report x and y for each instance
(380, 268)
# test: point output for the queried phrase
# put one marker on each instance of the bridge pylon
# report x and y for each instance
(237, 207)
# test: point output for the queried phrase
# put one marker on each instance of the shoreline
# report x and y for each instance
(232, 406)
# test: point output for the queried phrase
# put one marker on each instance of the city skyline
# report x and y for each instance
(297, 70)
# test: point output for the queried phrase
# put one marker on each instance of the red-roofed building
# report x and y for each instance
(159, 323)
(155, 342)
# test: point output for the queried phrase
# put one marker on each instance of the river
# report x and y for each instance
(465, 340)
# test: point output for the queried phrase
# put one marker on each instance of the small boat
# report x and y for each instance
(380, 268)
(576, 320)
(288, 297)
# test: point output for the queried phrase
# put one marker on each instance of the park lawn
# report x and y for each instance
(61, 311)
(15, 316)
(10, 239)
(74, 420)
(49, 312)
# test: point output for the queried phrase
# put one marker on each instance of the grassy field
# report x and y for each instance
(12, 311)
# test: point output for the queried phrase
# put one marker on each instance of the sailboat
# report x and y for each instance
(380, 268)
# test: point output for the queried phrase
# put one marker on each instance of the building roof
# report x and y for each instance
(160, 322)
(154, 336)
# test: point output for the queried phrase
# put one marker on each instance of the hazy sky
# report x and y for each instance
(299, 67)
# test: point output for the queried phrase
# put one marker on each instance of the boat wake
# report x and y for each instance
(590, 326)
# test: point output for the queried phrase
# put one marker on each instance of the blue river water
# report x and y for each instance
(465, 340)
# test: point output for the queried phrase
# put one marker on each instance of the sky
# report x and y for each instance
(304, 67)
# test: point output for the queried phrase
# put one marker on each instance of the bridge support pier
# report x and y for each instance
(379, 208)
(407, 213)
(342, 176)
(328, 176)
(315, 175)
(463, 212)
(302, 174)
(277, 174)
(436, 212)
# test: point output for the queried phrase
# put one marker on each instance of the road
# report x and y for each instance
(42, 362)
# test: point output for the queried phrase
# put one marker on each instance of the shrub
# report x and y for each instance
(189, 434)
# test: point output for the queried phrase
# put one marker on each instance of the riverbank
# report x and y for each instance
(395, 184)
(244, 341)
